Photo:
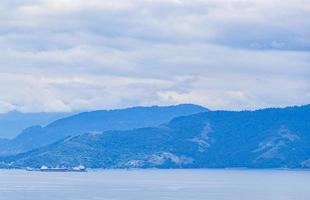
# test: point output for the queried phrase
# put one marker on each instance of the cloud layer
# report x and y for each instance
(65, 55)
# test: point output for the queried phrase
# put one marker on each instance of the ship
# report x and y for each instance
(44, 168)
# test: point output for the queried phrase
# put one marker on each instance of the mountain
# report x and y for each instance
(95, 122)
(3, 141)
(269, 138)
(13, 123)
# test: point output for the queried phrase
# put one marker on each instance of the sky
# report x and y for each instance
(74, 55)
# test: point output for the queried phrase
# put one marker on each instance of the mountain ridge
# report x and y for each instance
(269, 138)
(13, 122)
(95, 121)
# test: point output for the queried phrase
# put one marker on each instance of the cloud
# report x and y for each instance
(65, 55)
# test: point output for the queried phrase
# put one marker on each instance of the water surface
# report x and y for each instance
(156, 185)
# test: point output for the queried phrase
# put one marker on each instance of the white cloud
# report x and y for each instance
(64, 55)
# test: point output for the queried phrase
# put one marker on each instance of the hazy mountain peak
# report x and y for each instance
(97, 122)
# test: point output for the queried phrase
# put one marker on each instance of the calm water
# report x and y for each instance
(156, 184)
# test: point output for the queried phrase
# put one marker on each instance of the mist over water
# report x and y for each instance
(156, 184)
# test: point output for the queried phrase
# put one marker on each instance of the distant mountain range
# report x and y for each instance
(13, 123)
(94, 122)
(268, 138)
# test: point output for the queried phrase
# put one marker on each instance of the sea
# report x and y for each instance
(156, 184)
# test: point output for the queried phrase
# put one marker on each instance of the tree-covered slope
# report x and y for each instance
(269, 138)
(95, 122)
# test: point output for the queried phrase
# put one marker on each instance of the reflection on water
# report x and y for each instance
(156, 184)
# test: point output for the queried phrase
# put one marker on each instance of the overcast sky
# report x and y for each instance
(72, 55)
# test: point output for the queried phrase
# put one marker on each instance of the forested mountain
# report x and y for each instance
(95, 122)
(13, 123)
(268, 138)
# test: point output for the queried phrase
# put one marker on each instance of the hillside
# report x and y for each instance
(269, 138)
(95, 122)
(13, 123)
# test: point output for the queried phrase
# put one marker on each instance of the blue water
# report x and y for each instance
(156, 184)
